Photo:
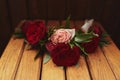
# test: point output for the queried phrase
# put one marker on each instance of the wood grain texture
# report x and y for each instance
(10, 59)
(49, 70)
(52, 72)
(99, 67)
(112, 54)
(79, 72)
(29, 69)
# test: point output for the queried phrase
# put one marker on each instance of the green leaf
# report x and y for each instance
(103, 42)
(84, 37)
(42, 42)
(104, 34)
(67, 22)
(50, 31)
(46, 58)
(19, 35)
(82, 49)
(79, 32)
(37, 55)
(71, 45)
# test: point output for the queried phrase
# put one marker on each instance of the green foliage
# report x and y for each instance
(50, 31)
(82, 49)
(84, 37)
(104, 34)
(103, 40)
(19, 35)
(42, 42)
(67, 23)
(37, 55)
(71, 44)
(46, 58)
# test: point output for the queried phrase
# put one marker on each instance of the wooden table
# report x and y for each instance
(17, 63)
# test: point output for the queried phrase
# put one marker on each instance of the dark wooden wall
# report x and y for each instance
(13, 11)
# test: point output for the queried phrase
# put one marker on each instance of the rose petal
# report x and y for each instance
(87, 25)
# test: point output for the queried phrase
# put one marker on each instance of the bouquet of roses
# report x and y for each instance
(63, 44)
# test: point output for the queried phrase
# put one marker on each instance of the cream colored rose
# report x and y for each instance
(87, 25)
(62, 35)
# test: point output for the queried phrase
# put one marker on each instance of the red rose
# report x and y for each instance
(97, 30)
(25, 26)
(92, 46)
(50, 46)
(63, 55)
(34, 31)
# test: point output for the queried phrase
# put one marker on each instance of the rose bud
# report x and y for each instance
(87, 25)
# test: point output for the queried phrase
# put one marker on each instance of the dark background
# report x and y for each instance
(107, 12)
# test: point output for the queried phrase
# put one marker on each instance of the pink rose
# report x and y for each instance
(62, 35)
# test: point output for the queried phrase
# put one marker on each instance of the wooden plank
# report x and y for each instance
(78, 72)
(112, 54)
(29, 69)
(99, 67)
(10, 59)
(50, 71)
(28, 65)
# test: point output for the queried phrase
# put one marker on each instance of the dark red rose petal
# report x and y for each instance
(34, 31)
(50, 46)
(90, 47)
(97, 30)
(63, 55)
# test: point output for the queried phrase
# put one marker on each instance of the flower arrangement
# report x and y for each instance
(64, 44)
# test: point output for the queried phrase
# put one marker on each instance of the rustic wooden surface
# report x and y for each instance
(17, 63)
